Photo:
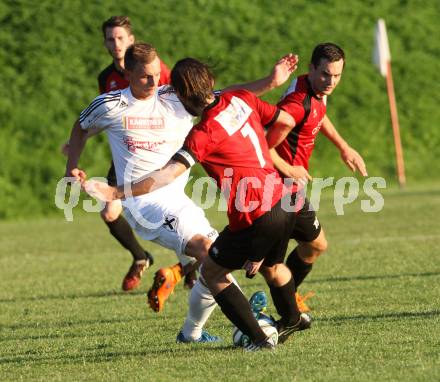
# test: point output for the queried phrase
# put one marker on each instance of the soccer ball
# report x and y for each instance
(266, 323)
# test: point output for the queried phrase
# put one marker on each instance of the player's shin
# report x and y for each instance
(237, 309)
(298, 267)
(284, 301)
(201, 305)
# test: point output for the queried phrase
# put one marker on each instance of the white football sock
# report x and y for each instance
(201, 305)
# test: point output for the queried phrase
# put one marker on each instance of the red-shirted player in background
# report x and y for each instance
(305, 100)
(118, 36)
(230, 144)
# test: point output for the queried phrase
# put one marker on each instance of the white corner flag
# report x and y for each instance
(382, 59)
(381, 54)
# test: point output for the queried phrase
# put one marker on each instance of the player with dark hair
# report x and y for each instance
(118, 36)
(305, 100)
(230, 143)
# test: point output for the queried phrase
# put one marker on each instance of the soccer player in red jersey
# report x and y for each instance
(305, 100)
(230, 143)
(118, 37)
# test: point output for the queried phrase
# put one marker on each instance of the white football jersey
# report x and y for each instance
(143, 134)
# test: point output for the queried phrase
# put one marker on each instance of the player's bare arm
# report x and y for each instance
(78, 138)
(298, 173)
(152, 182)
(350, 156)
(66, 146)
(274, 137)
(281, 72)
(279, 130)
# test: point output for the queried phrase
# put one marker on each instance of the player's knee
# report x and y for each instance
(110, 214)
(198, 247)
(276, 275)
(204, 246)
(315, 248)
(320, 246)
(266, 272)
(269, 273)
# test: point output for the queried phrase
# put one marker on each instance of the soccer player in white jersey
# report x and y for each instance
(146, 126)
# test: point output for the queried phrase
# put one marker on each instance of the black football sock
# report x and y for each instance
(298, 267)
(238, 310)
(122, 232)
(284, 300)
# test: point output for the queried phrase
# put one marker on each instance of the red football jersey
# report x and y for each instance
(112, 79)
(230, 143)
(308, 111)
(165, 74)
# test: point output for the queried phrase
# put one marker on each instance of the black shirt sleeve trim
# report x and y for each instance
(272, 121)
(185, 156)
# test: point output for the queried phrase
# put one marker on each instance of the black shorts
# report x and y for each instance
(266, 238)
(307, 226)
(111, 176)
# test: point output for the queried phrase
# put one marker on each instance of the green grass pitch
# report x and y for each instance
(376, 311)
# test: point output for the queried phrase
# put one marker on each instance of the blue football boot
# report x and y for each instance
(205, 337)
(258, 302)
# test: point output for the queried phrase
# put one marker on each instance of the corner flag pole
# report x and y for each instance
(382, 59)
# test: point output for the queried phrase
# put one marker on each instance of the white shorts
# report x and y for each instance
(171, 221)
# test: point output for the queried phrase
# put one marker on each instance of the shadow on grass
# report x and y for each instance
(376, 317)
(259, 284)
(163, 351)
(372, 277)
(72, 325)
(76, 323)
(37, 337)
(72, 296)
(79, 296)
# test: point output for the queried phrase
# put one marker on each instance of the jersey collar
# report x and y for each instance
(133, 99)
(213, 103)
(310, 89)
(117, 70)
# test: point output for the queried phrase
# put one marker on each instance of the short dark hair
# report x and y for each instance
(139, 52)
(193, 82)
(117, 21)
(327, 51)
